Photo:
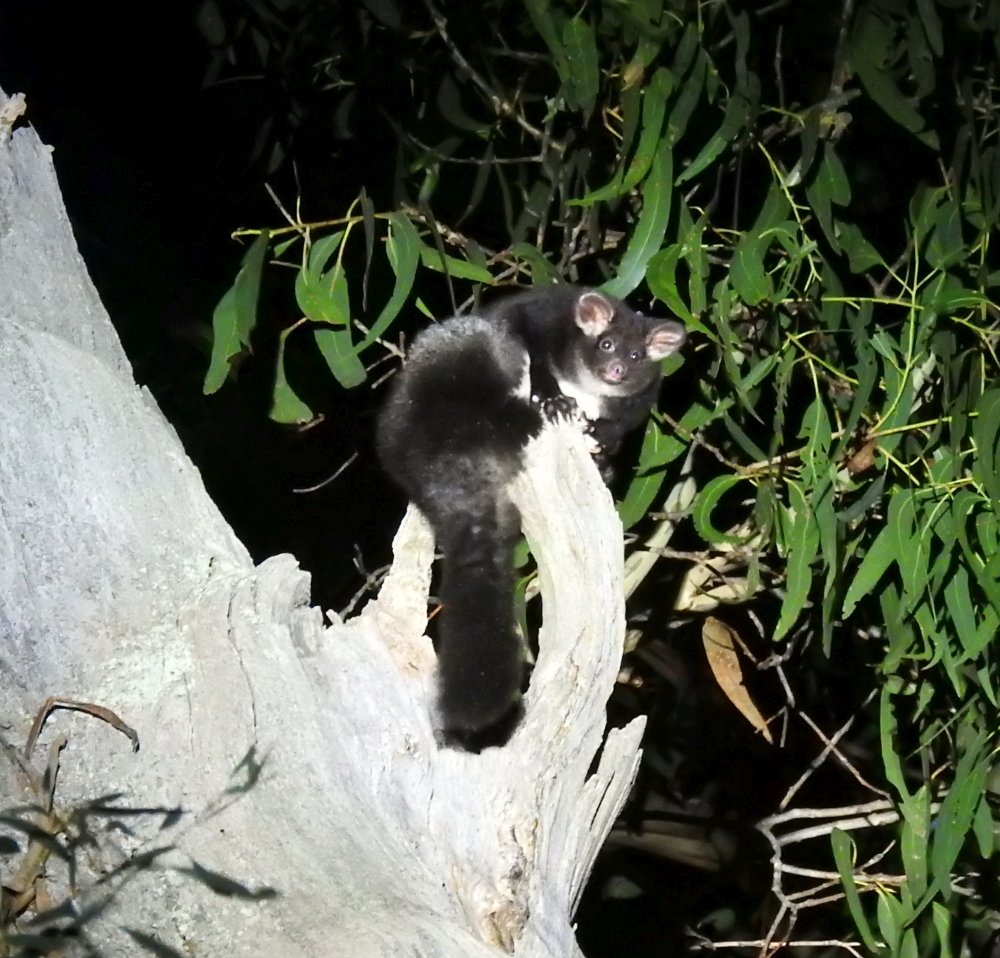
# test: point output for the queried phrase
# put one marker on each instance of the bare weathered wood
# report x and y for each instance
(289, 797)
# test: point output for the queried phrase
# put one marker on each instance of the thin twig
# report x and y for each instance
(501, 106)
(829, 748)
(779, 78)
(471, 160)
(873, 820)
(295, 224)
(839, 811)
(838, 72)
(854, 947)
(325, 482)
(371, 584)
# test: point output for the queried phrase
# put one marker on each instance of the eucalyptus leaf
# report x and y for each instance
(801, 548)
(890, 921)
(543, 273)
(647, 237)
(843, 857)
(861, 254)
(321, 251)
(945, 246)
(956, 813)
(914, 840)
(654, 101)
(323, 297)
(456, 268)
(235, 316)
(871, 53)
(705, 504)
(888, 733)
(880, 555)
(662, 280)
(659, 448)
(920, 60)
(368, 219)
(403, 251)
(958, 601)
(545, 23)
(748, 273)
(341, 356)
(688, 98)
(931, 23)
(449, 102)
(583, 80)
(691, 235)
(738, 111)
(986, 433)
(941, 916)
(286, 406)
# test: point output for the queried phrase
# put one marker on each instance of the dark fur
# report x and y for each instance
(453, 432)
(576, 339)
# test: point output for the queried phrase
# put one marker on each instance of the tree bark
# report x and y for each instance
(289, 796)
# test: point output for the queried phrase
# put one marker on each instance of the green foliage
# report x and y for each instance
(845, 401)
(236, 315)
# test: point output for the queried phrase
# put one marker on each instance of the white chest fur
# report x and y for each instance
(523, 390)
(590, 405)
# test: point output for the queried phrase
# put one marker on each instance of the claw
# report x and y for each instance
(556, 408)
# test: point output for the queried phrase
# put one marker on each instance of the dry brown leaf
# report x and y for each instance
(720, 641)
(863, 458)
(54, 702)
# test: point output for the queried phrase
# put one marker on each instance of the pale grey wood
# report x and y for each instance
(295, 756)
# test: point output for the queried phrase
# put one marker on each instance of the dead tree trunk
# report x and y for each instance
(288, 797)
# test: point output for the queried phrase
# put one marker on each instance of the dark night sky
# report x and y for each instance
(115, 89)
(155, 176)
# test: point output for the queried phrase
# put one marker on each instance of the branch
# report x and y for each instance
(501, 106)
